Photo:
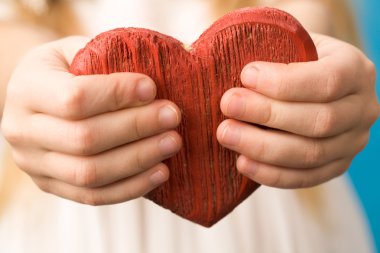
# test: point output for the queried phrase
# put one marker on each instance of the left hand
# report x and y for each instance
(318, 115)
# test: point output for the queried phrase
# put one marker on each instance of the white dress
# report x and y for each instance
(327, 218)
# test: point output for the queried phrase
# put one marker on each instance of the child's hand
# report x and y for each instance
(92, 139)
(320, 114)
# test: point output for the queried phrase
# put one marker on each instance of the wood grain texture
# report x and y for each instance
(204, 185)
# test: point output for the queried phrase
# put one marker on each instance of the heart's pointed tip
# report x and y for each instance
(209, 224)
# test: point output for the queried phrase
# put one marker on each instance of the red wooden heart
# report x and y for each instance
(204, 185)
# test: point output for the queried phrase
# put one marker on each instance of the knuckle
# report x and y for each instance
(340, 171)
(20, 160)
(43, 185)
(371, 71)
(72, 101)
(344, 167)
(86, 174)
(267, 115)
(11, 133)
(119, 93)
(314, 154)
(333, 85)
(307, 181)
(91, 197)
(84, 139)
(277, 180)
(283, 87)
(297, 180)
(260, 150)
(242, 165)
(363, 141)
(140, 161)
(132, 193)
(288, 181)
(325, 122)
(137, 128)
(373, 113)
(16, 85)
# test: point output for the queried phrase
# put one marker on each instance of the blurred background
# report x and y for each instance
(365, 170)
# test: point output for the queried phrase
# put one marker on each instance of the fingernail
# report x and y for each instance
(146, 90)
(236, 106)
(168, 146)
(231, 136)
(168, 116)
(158, 177)
(249, 76)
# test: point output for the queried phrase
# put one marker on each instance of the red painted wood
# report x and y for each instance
(204, 185)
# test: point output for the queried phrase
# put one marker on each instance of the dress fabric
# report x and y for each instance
(327, 218)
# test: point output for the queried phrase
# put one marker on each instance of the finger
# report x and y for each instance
(289, 178)
(118, 192)
(53, 90)
(306, 119)
(85, 96)
(105, 131)
(287, 150)
(325, 80)
(102, 169)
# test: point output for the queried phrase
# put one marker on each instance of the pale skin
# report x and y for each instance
(102, 139)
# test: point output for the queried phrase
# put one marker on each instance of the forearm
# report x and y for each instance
(16, 40)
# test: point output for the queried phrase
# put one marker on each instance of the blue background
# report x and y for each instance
(365, 170)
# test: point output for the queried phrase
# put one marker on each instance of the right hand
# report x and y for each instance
(97, 139)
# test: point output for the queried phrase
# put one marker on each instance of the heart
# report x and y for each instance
(204, 185)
